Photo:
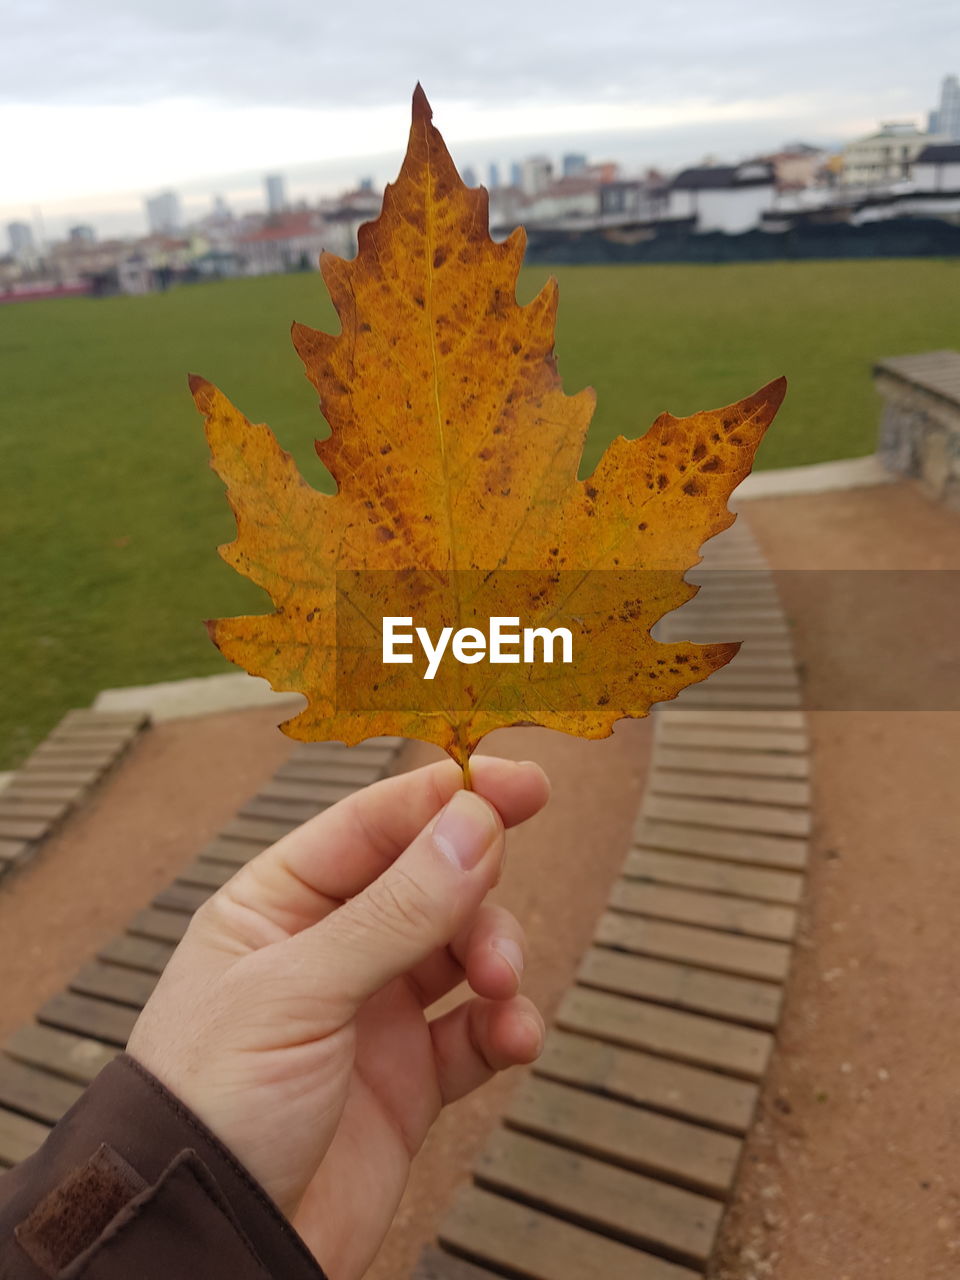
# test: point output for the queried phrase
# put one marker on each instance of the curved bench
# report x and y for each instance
(615, 1157)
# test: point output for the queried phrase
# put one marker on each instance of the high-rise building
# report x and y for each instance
(516, 174)
(574, 162)
(536, 173)
(83, 233)
(21, 240)
(493, 180)
(469, 176)
(945, 119)
(276, 192)
(163, 213)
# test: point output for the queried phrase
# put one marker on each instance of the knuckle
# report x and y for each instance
(399, 905)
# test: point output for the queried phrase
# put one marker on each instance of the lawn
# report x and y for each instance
(109, 515)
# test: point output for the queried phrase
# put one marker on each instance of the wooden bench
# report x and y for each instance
(45, 1065)
(59, 774)
(616, 1155)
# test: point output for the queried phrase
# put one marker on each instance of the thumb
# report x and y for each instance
(415, 907)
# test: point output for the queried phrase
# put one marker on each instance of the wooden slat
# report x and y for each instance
(98, 1019)
(706, 948)
(336, 753)
(258, 830)
(782, 720)
(676, 734)
(722, 698)
(729, 786)
(519, 1241)
(713, 910)
(62, 1053)
(355, 772)
(23, 828)
(16, 791)
(437, 1264)
(12, 851)
(292, 811)
(137, 953)
(320, 793)
(658, 1145)
(29, 778)
(618, 1202)
(683, 986)
(753, 764)
(162, 926)
(688, 1037)
(236, 853)
(19, 804)
(182, 897)
(778, 852)
(35, 1093)
(721, 1102)
(207, 873)
(114, 982)
(19, 1137)
(652, 866)
(732, 816)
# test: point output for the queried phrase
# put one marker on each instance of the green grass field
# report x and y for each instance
(109, 515)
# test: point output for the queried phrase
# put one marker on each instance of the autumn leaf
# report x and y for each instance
(455, 453)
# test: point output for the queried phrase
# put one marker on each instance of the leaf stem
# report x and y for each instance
(467, 779)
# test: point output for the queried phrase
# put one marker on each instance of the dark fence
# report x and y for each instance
(894, 238)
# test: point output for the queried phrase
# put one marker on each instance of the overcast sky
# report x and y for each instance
(103, 101)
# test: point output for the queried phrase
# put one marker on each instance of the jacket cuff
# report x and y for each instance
(130, 1182)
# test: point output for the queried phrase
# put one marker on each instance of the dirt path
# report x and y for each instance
(851, 1173)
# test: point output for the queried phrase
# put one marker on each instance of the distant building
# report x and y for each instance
(945, 119)
(365, 184)
(884, 157)
(798, 165)
(469, 176)
(83, 233)
(730, 198)
(287, 241)
(937, 168)
(20, 235)
(493, 179)
(536, 174)
(221, 211)
(516, 175)
(574, 164)
(276, 192)
(163, 213)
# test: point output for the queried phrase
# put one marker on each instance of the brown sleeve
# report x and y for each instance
(131, 1183)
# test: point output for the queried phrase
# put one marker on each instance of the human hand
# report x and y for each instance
(291, 1018)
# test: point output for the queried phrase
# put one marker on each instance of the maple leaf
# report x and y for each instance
(455, 453)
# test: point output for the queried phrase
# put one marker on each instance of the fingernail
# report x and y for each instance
(511, 952)
(537, 1028)
(465, 830)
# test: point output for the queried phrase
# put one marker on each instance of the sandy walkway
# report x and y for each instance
(851, 1173)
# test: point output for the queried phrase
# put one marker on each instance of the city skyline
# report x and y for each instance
(203, 98)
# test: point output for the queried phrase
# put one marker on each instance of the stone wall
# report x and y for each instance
(920, 423)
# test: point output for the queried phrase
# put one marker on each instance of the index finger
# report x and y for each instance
(334, 856)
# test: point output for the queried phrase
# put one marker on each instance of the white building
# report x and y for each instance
(536, 174)
(937, 168)
(730, 198)
(884, 157)
(163, 213)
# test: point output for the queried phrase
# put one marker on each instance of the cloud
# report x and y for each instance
(303, 53)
